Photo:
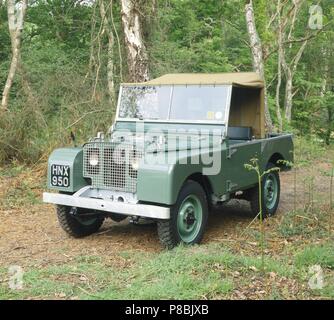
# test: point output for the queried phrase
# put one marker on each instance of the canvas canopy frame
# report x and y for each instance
(247, 100)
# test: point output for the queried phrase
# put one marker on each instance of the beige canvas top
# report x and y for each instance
(247, 106)
(243, 79)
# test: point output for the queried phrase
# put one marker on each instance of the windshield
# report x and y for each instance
(193, 102)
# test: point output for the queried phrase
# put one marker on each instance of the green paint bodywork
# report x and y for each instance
(161, 183)
(73, 157)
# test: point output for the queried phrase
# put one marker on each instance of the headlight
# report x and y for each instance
(135, 165)
(94, 159)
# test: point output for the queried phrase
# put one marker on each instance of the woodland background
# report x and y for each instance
(61, 61)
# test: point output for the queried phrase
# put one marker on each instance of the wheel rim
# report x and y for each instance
(270, 191)
(189, 219)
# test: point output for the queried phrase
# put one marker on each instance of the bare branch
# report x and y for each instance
(233, 25)
(309, 37)
(83, 116)
(297, 57)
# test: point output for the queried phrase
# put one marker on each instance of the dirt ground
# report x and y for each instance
(30, 234)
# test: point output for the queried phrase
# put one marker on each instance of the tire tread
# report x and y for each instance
(72, 226)
(167, 230)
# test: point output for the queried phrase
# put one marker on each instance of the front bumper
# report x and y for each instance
(129, 209)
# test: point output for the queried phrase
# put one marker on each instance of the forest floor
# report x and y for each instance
(126, 261)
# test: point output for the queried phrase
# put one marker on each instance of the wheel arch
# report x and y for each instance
(204, 182)
(278, 160)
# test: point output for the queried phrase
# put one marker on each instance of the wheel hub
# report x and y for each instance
(189, 218)
(270, 190)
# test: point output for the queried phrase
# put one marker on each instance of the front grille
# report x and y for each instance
(114, 170)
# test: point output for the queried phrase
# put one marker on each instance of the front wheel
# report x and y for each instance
(188, 217)
(76, 222)
(270, 194)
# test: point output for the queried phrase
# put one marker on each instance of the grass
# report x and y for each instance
(20, 196)
(303, 223)
(178, 274)
(308, 149)
(20, 192)
(322, 255)
(200, 272)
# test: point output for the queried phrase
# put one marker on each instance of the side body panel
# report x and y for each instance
(281, 145)
(162, 184)
(235, 176)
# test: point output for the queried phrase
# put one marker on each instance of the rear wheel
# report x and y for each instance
(188, 217)
(77, 222)
(270, 194)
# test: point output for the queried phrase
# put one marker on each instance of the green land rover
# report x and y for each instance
(178, 148)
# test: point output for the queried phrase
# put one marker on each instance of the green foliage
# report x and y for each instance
(19, 195)
(183, 273)
(65, 21)
(317, 254)
(57, 82)
(190, 38)
(200, 272)
(302, 223)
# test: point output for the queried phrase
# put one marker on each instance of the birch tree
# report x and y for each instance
(291, 67)
(108, 29)
(16, 13)
(329, 108)
(279, 68)
(257, 55)
(290, 51)
(136, 51)
(290, 70)
(327, 88)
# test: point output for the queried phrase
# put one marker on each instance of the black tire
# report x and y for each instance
(253, 195)
(76, 226)
(168, 230)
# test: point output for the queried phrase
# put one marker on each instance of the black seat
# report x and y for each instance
(239, 133)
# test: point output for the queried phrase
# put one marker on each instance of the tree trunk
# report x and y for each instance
(329, 108)
(330, 120)
(137, 55)
(15, 25)
(257, 55)
(289, 68)
(279, 69)
(110, 63)
(288, 96)
(278, 89)
(290, 71)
